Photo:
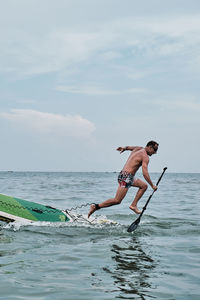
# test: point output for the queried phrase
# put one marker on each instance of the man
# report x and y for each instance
(139, 157)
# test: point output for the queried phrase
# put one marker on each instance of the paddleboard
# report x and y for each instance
(15, 209)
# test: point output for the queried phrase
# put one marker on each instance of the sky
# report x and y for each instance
(79, 78)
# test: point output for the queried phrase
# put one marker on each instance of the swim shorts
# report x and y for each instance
(125, 179)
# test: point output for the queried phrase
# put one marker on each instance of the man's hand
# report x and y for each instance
(121, 149)
(154, 187)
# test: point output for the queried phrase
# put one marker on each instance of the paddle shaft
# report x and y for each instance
(159, 179)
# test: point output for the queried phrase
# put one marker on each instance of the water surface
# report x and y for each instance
(160, 260)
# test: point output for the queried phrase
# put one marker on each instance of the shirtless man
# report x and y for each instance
(139, 157)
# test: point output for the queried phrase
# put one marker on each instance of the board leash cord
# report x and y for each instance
(78, 217)
(78, 207)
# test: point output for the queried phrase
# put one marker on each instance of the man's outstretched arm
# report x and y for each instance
(128, 148)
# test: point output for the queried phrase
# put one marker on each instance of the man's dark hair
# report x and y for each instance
(152, 143)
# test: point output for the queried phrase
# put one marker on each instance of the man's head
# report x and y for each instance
(151, 147)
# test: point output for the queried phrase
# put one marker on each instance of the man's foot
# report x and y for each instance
(92, 209)
(135, 209)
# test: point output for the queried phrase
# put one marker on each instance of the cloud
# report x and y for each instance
(88, 90)
(187, 104)
(27, 55)
(94, 90)
(49, 123)
(59, 49)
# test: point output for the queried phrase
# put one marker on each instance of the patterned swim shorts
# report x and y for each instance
(125, 179)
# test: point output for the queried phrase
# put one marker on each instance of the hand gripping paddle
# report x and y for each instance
(135, 224)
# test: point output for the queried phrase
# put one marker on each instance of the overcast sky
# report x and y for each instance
(81, 77)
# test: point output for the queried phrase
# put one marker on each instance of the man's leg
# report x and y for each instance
(142, 188)
(120, 194)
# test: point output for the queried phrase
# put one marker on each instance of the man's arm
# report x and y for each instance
(146, 173)
(129, 148)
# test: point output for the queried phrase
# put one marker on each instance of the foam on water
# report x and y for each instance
(77, 220)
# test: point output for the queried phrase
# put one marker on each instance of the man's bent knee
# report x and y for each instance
(117, 201)
(144, 186)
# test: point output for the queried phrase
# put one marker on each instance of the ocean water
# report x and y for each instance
(101, 260)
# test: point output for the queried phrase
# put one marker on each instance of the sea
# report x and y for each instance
(97, 259)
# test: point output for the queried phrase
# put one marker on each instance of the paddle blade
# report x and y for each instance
(134, 225)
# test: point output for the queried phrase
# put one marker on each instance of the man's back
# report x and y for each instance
(135, 160)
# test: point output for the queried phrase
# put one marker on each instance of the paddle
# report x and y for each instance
(134, 225)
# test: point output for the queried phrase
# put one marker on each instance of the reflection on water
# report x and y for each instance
(132, 270)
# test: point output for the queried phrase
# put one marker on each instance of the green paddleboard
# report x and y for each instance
(15, 209)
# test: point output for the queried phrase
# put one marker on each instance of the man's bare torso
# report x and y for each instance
(135, 160)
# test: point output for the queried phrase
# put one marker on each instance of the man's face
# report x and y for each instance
(153, 150)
